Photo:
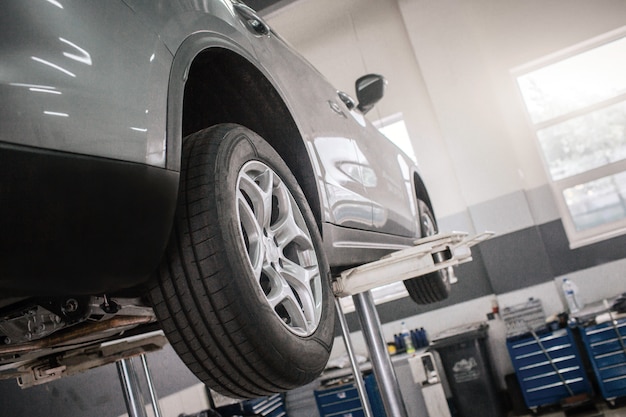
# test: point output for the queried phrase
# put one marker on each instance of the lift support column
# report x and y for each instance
(428, 255)
(133, 392)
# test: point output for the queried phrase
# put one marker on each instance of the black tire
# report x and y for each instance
(435, 286)
(213, 305)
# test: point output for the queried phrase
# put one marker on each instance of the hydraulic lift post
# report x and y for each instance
(428, 255)
(133, 393)
(381, 362)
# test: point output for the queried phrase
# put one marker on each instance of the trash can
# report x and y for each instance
(465, 358)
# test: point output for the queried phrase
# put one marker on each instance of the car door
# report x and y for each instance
(387, 176)
(375, 180)
(325, 122)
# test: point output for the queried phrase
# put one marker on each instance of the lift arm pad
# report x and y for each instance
(428, 255)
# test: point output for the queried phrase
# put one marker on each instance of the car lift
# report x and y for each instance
(134, 395)
(428, 255)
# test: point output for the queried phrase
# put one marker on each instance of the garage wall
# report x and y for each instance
(449, 65)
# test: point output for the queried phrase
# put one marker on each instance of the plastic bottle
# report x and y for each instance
(415, 338)
(406, 338)
(397, 338)
(570, 291)
(424, 337)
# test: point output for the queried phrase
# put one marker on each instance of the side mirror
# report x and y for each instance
(370, 89)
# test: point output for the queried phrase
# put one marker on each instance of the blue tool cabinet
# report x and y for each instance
(341, 401)
(272, 406)
(344, 400)
(546, 369)
(606, 346)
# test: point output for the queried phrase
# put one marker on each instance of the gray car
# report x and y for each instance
(175, 164)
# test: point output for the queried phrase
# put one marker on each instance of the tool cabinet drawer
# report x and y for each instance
(606, 347)
(603, 331)
(549, 368)
(340, 401)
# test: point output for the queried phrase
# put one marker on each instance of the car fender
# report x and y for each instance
(183, 58)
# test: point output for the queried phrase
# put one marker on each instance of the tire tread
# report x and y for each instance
(190, 297)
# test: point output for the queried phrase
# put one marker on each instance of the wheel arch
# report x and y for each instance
(213, 80)
(421, 192)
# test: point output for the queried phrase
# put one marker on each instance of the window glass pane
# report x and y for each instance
(585, 142)
(576, 82)
(597, 202)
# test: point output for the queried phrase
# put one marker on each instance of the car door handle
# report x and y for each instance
(253, 22)
(335, 107)
(347, 100)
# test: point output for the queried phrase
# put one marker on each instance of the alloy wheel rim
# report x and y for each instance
(279, 247)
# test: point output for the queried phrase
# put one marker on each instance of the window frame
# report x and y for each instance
(576, 238)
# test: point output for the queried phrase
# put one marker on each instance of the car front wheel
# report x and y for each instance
(243, 293)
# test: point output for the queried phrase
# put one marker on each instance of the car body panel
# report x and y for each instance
(389, 184)
(343, 191)
(361, 187)
(324, 124)
(175, 20)
(63, 82)
(67, 96)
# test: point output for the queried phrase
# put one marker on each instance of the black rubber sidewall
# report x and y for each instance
(284, 351)
(429, 288)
